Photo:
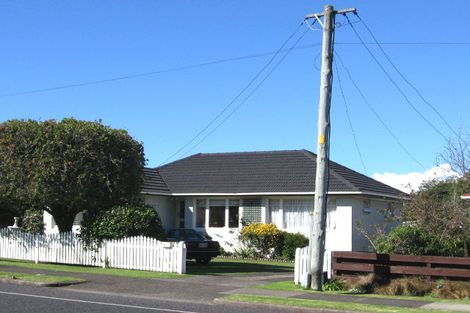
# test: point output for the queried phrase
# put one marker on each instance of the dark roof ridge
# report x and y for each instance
(250, 152)
(176, 161)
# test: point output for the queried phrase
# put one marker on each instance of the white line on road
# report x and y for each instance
(95, 302)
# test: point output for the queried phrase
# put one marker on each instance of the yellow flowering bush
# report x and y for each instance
(261, 237)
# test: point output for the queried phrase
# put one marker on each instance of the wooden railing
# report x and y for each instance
(352, 263)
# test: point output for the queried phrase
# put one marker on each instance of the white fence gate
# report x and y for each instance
(138, 253)
(302, 264)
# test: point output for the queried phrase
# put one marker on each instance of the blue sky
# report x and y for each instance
(53, 43)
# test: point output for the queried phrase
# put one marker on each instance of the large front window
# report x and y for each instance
(233, 213)
(216, 213)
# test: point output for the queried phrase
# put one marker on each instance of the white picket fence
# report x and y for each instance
(302, 264)
(137, 253)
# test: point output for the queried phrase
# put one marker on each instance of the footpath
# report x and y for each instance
(207, 288)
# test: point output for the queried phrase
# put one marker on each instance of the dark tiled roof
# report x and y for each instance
(262, 172)
(153, 183)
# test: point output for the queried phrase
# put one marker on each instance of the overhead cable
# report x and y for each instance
(420, 95)
(249, 95)
(394, 83)
(375, 112)
(349, 119)
(240, 93)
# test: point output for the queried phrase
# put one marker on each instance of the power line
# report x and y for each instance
(209, 63)
(349, 119)
(395, 83)
(151, 73)
(237, 96)
(248, 96)
(405, 79)
(375, 112)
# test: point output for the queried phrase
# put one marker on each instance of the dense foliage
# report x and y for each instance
(262, 238)
(291, 242)
(119, 222)
(266, 240)
(32, 221)
(437, 222)
(68, 166)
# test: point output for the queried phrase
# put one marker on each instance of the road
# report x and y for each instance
(27, 299)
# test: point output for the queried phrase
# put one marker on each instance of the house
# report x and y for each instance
(465, 196)
(217, 193)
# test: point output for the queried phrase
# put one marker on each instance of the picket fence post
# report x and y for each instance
(36, 241)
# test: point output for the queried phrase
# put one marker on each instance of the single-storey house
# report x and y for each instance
(218, 193)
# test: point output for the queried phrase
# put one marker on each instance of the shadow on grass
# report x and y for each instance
(231, 267)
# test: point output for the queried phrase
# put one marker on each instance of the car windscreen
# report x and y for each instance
(185, 234)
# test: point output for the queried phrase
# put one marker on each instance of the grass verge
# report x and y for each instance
(40, 278)
(89, 270)
(290, 286)
(328, 305)
(227, 267)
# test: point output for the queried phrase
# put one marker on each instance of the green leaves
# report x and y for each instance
(68, 166)
(121, 221)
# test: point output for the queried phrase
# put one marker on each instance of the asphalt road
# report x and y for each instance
(27, 299)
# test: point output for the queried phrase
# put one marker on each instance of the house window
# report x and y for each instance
(275, 213)
(252, 211)
(233, 213)
(297, 214)
(216, 213)
(181, 214)
(200, 213)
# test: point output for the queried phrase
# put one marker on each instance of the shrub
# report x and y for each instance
(412, 240)
(334, 285)
(32, 221)
(245, 253)
(290, 243)
(119, 222)
(263, 238)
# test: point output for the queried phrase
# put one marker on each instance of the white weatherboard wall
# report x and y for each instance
(165, 207)
(138, 253)
(368, 213)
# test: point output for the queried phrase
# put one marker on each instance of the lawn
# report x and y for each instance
(329, 305)
(88, 270)
(219, 266)
(40, 278)
(290, 286)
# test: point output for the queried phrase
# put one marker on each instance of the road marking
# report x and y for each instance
(95, 302)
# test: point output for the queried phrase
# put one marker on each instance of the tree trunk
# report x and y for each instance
(63, 220)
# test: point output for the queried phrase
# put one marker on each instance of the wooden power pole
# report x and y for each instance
(318, 228)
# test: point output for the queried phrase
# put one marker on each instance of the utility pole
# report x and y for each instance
(318, 228)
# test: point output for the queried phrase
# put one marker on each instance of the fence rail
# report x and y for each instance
(351, 263)
(139, 253)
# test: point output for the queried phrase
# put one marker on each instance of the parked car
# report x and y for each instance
(198, 247)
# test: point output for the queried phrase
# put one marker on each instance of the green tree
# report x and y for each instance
(68, 166)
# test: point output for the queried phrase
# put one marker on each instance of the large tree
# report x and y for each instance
(68, 166)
